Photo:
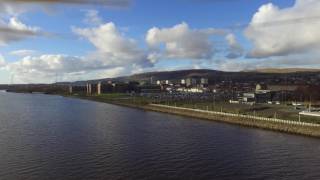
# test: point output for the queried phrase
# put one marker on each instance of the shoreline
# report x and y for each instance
(289, 127)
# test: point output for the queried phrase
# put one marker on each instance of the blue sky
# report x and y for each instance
(74, 42)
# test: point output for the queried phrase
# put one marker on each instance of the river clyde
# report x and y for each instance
(52, 137)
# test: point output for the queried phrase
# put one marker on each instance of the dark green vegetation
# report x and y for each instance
(118, 98)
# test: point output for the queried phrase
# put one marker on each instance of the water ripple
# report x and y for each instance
(48, 137)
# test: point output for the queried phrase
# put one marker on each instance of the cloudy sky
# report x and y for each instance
(66, 40)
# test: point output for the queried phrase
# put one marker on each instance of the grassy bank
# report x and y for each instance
(287, 127)
(146, 104)
(282, 111)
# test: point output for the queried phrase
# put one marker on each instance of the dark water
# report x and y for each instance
(50, 137)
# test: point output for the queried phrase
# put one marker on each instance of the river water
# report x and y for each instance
(52, 137)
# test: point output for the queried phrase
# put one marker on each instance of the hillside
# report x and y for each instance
(173, 74)
(265, 75)
(284, 70)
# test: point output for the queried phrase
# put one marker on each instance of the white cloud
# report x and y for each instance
(45, 68)
(48, 64)
(113, 48)
(115, 54)
(15, 23)
(111, 73)
(235, 49)
(277, 32)
(23, 52)
(2, 61)
(57, 63)
(182, 42)
(92, 17)
(14, 30)
(291, 61)
(11, 9)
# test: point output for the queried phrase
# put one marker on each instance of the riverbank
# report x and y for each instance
(292, 127)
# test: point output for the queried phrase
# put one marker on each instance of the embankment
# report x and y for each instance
(292, 127)
(269, 124)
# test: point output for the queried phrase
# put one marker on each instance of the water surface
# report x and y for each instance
(51, 137)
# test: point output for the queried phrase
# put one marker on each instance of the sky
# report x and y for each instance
(45, 41)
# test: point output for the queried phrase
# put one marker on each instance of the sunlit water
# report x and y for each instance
(51, 137)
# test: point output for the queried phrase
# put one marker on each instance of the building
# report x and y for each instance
(149, 89)
(248, 97)
(282, 87)
(192, 90)
(163, 82)
(256, 97)
(263, 97)
(261, 87)
(191, 82)
(204, 81)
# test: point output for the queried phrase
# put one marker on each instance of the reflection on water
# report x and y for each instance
(51, 137)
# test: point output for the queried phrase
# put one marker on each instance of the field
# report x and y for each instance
(285, 112)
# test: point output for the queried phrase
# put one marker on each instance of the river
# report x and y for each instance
(51, 137)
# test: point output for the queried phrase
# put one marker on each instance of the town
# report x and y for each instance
(288, 96)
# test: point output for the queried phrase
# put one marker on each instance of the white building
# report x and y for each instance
(191, 81)
(204, 81)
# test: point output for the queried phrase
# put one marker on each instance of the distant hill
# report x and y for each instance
(161, 75)
(164, 75)
(284, 70)
(261, 75)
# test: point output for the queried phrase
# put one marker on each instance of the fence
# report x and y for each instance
(241, 116)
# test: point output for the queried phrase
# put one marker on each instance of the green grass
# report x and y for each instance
(263, 110)
(121, 98)
(112, 95)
